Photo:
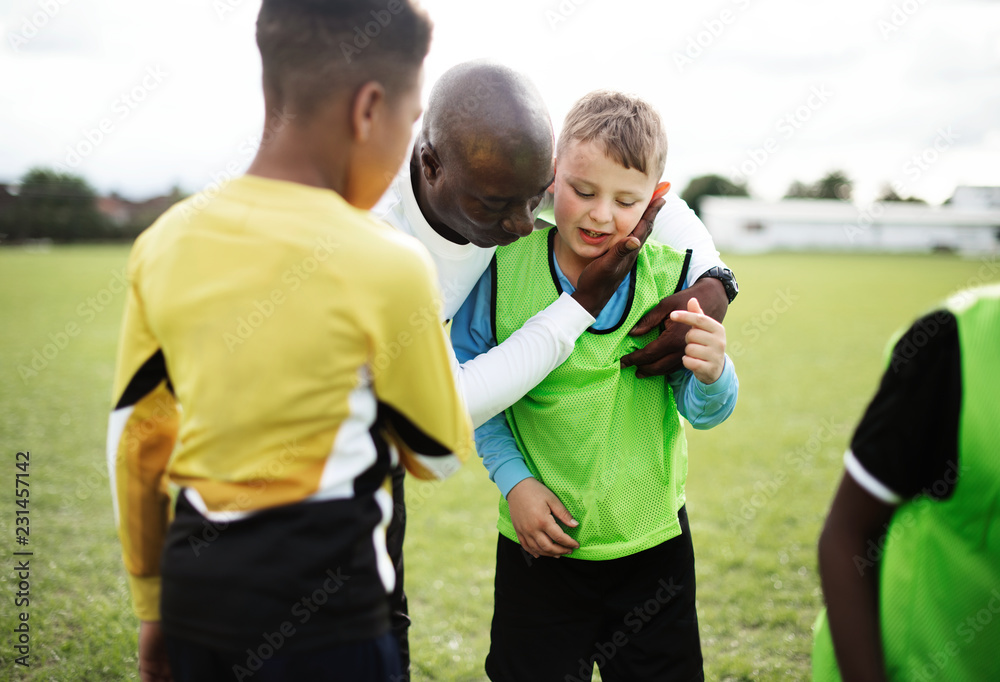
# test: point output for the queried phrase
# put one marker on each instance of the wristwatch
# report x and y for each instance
(724, 275)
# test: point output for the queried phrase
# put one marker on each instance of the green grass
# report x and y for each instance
(807, 334)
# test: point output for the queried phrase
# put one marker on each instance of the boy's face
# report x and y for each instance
(598, 202)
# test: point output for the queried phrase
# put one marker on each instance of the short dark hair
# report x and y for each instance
(629, 129)
(311, 49)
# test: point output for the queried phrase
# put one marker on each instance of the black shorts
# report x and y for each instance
(635, 617)
(368, 660)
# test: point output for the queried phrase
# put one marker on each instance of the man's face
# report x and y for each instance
(489, 199)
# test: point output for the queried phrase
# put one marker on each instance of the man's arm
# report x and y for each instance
(142, 431)
(493, 377)
(533, 507)
(679, 227)
(665, 354)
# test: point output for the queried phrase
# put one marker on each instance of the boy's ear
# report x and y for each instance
(430, 164)
(551, 189)
(366, 109)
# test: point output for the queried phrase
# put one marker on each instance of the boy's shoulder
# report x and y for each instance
(264, 209)
(401, 247)
(657, 249)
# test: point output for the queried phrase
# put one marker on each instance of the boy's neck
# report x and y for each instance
(571, 263)
(289, 153)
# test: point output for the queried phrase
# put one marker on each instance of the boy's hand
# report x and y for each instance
(705, 352)
(602, 276)
(532, 507)
(153, 663)
(664, 354)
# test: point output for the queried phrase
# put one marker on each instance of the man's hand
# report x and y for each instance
(532, 507)
(665, 354)
(153, 663)
(602, 276)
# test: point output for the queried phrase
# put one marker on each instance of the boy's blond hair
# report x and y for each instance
(629, 129)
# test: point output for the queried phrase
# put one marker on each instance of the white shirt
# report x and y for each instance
(492, 382)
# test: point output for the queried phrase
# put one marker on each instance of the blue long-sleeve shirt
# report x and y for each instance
(703, 405)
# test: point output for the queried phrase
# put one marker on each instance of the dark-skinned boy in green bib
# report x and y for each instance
(926, 604)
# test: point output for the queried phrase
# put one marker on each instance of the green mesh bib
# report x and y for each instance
(939, 586)
(610, 446)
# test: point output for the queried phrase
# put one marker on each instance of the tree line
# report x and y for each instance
(834, 185)
(63, 207)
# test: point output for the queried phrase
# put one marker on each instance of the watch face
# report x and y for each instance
(728, 280)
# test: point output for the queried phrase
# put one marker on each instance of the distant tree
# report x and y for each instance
(888, 193)
(711, 185)
(833, 185)
(57, 206)
(8, 199)
(799, 190)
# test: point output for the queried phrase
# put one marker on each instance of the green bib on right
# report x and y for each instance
(939, 584)
(609, 445)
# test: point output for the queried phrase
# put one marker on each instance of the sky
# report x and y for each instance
(141, 96)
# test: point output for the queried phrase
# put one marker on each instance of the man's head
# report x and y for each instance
(611, 152)
(349, 72)
(484, 156)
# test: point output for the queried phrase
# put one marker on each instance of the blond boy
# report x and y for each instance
(607, 445)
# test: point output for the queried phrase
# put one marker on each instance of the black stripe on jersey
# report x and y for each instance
(144, 381)
(493, 296)
(372, 478)
(410, 433)
(684, 271)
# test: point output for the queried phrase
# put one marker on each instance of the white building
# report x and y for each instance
(976, 197)
(743, 225)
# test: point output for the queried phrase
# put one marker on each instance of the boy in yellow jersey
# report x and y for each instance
(592, 436)
(279, 351)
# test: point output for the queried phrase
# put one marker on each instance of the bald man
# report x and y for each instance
(476, 180)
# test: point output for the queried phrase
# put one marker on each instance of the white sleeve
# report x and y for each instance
(872, 485)
(678, 226)
(495, 380)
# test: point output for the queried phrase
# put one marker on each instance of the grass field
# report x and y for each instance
(806, 333)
